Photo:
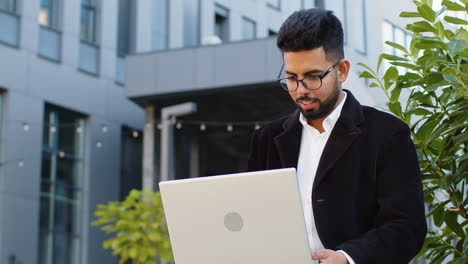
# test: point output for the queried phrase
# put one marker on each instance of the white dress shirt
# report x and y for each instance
(312, 145)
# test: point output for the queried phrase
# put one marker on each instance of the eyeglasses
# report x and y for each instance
(310, 82)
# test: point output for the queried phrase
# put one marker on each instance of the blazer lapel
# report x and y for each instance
(288, 142)
(346, 130)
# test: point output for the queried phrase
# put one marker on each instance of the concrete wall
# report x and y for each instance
(30, 83)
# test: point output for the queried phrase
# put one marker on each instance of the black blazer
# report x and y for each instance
(367, 195)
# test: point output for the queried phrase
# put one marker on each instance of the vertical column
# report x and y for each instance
(108, 41)
(143, 25)
(148, 149)
(176, 24)
(194, 156)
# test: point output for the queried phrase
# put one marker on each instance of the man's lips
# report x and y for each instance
(307, 104)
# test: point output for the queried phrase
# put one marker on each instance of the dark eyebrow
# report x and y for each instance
(306, 73)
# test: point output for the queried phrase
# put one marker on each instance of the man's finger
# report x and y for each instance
(320, 254)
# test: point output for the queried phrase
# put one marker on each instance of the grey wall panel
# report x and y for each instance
(141, 74)
(103, 165)
(19, 145)
(205, 67)
(240, 63)
(176, 71)
(13, 68)
(273, 59)
(20, 216)
(201, 68)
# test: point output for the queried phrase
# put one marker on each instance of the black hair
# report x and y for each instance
(312, 28)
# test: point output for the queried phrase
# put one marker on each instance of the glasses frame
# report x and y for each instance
(320, 77)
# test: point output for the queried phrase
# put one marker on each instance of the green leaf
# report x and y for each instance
(427, 12)
(367, 68)
(394, 58)
(395, 108)
(413, 76)
(452, 6)
(409, 14)
(373, 85)
(438, 214)
(396, 46)
(426, 2)
(461, 34)
(456, 46)
(406, 65)
(425, 130)
(427, 43)
(460, 139)
(421, 26)
(456, 198)
(450, 78)
(379, 62)
(455, 20)
(395, 95)
(421, 111)
(451, 219)
(366, 74)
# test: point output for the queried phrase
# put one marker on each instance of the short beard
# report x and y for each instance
(325, 108)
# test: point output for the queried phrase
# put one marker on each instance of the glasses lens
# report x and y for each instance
(313, 82)
(288, 84)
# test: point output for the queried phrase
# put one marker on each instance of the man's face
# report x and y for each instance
(315, 104)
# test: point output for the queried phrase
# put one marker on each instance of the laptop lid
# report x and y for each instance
(253, 217)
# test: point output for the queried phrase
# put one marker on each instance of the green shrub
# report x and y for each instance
(138, 227)
(426, 88)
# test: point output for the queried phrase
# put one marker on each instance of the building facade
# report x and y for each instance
(70, 139)
(83, 84)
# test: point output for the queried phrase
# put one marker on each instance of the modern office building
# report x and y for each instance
(81, 80)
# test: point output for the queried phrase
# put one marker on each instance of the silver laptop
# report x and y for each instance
(243, 218)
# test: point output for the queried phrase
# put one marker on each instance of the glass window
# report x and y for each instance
(191, 23)
(249, 28)
(88, 21)
(319, 4)
(160, 26)
(61, 173)
(274, 3)
(392, 33)
(50, 39)
(360, 26)
(8, 5)
(221, 23)
(272, 33)
(125, 27)
(49, 14)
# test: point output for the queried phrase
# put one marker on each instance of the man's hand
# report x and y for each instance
(327, 256)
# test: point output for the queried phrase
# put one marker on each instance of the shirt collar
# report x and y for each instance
(330, 121)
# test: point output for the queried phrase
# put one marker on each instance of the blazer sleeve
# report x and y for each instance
(400, 224)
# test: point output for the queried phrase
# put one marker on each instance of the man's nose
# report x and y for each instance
(301, 89)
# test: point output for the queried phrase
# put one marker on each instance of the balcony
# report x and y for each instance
(9, 28)
(50, 45)
(89, 58)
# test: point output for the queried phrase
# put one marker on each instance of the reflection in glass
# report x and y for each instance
(61, 174)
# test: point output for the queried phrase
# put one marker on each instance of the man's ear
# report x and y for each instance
(343, 70)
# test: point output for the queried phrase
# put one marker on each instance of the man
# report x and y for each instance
(357, 167)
